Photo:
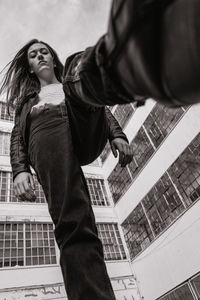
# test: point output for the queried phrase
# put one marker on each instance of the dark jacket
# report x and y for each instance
(91, 127)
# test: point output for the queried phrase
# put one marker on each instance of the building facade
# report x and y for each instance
(29, 257)
(147, 213)
(156, 199)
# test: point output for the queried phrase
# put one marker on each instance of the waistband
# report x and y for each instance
(49, 107)
(44, 117)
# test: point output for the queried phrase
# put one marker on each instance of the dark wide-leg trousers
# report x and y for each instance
(58, 170)
(150, 50)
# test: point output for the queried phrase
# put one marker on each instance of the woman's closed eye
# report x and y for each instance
(43, 51)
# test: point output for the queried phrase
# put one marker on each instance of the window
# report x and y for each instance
(4, 143)
(97, 191)
(11, 245)
(4, 186)
(105, 152)
(196, 284)
(39, 244)
(119, 180)
(173, 193)
(156, 127)
(161, 121)
(3, 112)
(185, 172)
(111, 240)
(189, 290)
(181, 293)
(123, 113)
(162, 204)
(137, 232)
(23, 244)
(142, 149)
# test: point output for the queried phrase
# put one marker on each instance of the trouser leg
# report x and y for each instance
(141, 49)
(138, 58)
(81, 253)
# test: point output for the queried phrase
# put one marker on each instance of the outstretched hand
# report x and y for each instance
(123, 148)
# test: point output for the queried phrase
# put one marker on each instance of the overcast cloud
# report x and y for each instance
(67, 25)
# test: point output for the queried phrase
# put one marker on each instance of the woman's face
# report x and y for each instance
(40, 59)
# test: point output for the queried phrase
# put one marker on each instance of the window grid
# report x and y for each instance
(142, 149)
(155, 128)
(4, 186)
(111, 240)
(11, 245)
(165, 201)
(23, 244)
(119, 180)
(123, 113)
(162, 204)
(4, 143)
(161, 121)
(137, 232)
(3, 112)
(39, 192)
(195, 282)
(97, 191)
(190, 290)
(185, 172)
(40, 244)
(182, 292)
(105, 152)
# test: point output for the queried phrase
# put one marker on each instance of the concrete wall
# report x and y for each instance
(172, 258)
(125, 289)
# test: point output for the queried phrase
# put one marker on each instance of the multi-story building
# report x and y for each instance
(156, 199)
(29, 257)
(147, 213)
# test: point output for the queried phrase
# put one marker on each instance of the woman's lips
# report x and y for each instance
(42, 62)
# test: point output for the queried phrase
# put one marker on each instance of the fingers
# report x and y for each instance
(124, 149)
(23, 188)
(125, 154)
(19, 189)
(28, 190)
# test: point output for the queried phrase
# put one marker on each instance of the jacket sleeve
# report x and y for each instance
(115, 130)
(18, 153)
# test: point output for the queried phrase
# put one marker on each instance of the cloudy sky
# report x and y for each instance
(67, 25)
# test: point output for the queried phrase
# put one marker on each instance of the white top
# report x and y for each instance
(52, 93)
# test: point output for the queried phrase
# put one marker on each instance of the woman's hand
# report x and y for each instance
(124, 149)
(24, 187)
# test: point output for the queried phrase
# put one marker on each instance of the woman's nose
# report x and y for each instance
(40, 57)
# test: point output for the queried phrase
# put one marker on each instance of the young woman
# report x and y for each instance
(56, 133)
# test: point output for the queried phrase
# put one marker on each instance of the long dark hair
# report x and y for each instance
(18, 82)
